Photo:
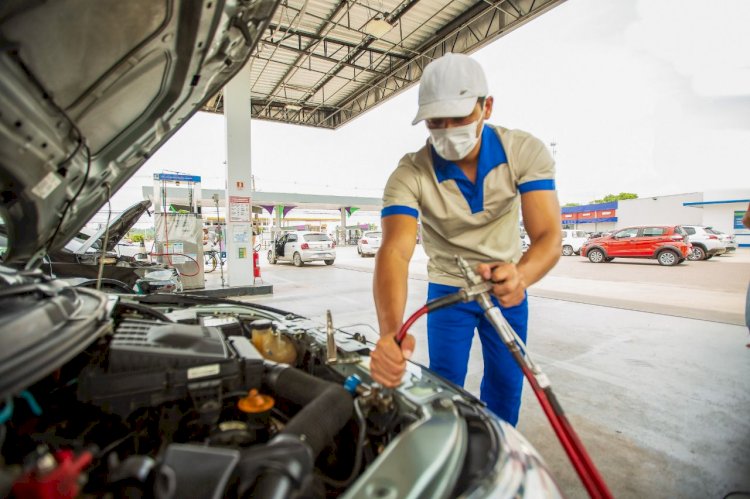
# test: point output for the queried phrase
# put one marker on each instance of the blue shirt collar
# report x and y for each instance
(491, 155)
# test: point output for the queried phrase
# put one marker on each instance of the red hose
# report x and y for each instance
(411, 320)
(579, 458)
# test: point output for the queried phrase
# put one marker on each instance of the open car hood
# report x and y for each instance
(117, 227)
(89, 89)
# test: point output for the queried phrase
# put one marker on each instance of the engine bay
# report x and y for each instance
(226, 400)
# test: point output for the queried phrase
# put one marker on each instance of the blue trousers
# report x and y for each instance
(449, 335)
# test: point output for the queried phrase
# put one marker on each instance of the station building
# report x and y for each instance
(722, 210)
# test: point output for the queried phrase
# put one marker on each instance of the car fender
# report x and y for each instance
(596, 246)
(669, 247)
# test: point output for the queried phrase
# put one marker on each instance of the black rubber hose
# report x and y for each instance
(327, 407)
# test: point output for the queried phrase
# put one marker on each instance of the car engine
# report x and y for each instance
(197, 406)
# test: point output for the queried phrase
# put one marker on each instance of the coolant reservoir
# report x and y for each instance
(271, 344)
(260, 330)
(279, 348)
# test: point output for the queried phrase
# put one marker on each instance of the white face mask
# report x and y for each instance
(455, 143)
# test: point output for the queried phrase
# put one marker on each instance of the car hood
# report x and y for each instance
(90, 89)
(117, 228)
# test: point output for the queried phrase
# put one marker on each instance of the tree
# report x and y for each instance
(609, 198)
(568, 205)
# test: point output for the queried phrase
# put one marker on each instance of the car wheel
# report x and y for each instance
(668, 258)
(567, 250)
(328, 262)
(609, 259)
(359, 250)
(698, 253)
(272, 258)
(596, 256)
(297, 259)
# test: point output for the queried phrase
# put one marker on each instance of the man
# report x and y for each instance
(465, 185)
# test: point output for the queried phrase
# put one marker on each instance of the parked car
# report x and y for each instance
(705, 243)
(729, 240)
(303, 247)
(369, 243)
(170, 395)
(668, 245)
(595, 235)
(78, 260)
(572, 240)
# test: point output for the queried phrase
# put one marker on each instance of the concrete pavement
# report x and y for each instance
(660, 401)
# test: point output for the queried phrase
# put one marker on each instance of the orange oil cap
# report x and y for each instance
(255, 403)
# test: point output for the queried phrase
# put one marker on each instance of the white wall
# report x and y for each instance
(661, 210)
(721, 216)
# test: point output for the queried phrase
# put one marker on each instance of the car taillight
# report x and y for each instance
(713, 237)
(364, 241)
(333, 244)
(304, 246)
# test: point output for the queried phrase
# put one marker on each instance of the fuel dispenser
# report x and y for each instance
(178, 226)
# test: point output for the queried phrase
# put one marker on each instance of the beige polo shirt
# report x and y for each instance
(478, 221)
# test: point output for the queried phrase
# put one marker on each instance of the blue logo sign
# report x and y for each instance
(174, 177)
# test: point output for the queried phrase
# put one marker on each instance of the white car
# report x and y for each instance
(706, 244)
(572, 240)
(729, 240)
(303, 247)
(369, 243)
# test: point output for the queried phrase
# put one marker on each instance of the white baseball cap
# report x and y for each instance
(450, 87)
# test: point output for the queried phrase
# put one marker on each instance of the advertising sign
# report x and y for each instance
(239, 209)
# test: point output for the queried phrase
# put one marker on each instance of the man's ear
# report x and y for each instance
(488, 107)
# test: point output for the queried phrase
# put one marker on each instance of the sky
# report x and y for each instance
(643, 96)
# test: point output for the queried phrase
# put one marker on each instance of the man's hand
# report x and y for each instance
(388, 360)
(509, 284)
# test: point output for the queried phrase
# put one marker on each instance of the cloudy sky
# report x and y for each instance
(644, 96)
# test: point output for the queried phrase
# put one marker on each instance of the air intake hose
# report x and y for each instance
(326, 406)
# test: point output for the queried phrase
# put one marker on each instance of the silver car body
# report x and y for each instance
(729, 240)
(311, 246)
(369, 243)
(572, 240)
(705, 239)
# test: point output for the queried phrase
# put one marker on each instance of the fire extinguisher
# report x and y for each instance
(256, 264)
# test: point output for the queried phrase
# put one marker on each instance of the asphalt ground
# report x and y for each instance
(659, 397)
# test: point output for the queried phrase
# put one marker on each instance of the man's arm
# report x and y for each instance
(541, 217)
(390, 286)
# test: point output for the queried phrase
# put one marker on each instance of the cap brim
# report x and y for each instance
(457, 108)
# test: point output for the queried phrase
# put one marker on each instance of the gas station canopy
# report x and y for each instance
(322, 63)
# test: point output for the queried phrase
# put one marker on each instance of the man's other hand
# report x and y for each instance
(508, 283)
(388, 360)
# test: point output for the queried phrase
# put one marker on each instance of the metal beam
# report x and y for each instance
(380, 78)
(312, 36)
(485, 20)
(326, 26)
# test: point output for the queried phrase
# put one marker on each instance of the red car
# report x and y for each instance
(668, 245)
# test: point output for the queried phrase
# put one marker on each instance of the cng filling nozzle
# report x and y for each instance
(478, 290)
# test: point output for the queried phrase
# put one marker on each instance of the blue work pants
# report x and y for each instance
(449, 335)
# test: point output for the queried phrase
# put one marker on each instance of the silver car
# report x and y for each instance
(729, 240)
(303, 247)
(706, 244)
(369, 243)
